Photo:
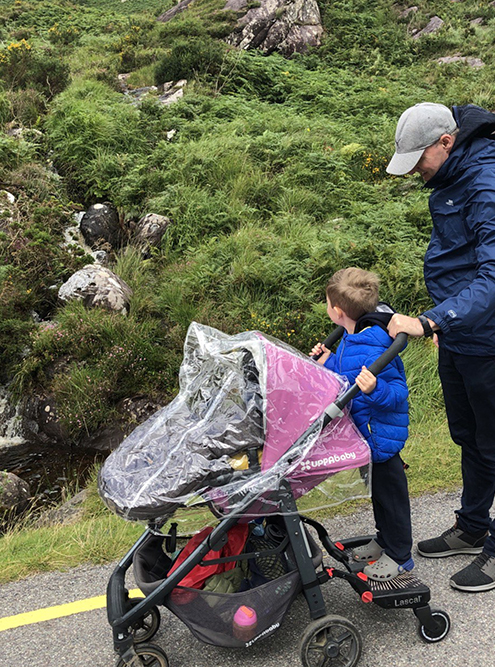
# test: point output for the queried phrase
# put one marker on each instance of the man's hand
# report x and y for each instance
(319, 348)
(366, 381)
(404, 324)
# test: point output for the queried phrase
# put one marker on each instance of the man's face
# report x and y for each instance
(433, 158)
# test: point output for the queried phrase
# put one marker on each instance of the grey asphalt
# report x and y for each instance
(390, 637)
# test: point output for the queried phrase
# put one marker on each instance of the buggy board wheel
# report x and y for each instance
(151, 656)
(330, 641)
(146, 627)
(443, 620)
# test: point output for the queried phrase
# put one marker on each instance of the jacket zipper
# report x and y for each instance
(341, 354)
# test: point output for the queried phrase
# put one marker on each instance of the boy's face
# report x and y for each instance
(335, 314)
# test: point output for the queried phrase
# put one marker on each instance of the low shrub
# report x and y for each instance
(107, 357)
(189, 58)
(63, 34)
(22, 65)
(26, 107)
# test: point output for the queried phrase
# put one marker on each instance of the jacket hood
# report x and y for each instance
(371, 319)
(371, 335)
(475, 126)
(472, 122)
(381, 317)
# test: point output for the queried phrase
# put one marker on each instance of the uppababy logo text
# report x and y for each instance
(265, 632)
(327, 461)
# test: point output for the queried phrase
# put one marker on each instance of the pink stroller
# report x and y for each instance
(256, 426)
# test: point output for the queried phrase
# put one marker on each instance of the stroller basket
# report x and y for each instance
(210, 615)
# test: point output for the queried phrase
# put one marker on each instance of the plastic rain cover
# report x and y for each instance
(247, 420)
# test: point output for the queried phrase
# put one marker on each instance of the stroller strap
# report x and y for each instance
(247, 556)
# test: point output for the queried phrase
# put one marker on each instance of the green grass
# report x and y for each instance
(26, 552)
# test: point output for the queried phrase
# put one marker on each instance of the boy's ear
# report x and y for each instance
(339, 311)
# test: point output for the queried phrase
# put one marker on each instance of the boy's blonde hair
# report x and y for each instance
(354, 290)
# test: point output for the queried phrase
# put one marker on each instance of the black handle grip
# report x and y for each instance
(397, 346)
(330, 340)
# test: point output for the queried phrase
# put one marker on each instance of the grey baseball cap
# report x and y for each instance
(419, 126)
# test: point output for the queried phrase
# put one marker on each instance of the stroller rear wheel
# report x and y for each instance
(330, 641)
(147, 626)
(151, 655)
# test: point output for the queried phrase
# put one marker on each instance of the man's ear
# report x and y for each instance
(447, 141)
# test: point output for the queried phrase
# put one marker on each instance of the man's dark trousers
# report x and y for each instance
(468, 384)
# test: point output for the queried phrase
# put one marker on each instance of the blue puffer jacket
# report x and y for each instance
(460, 261)
(382, 416)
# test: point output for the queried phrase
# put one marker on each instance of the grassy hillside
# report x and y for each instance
(274, 179)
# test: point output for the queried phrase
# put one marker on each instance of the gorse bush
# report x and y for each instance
(23, 66)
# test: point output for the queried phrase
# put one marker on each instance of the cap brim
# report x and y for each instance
(402, 163)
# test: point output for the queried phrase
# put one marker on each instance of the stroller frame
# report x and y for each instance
(125, 615)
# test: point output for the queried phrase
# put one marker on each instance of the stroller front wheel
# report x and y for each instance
(151, 655)
(330, 641)
(147, 626)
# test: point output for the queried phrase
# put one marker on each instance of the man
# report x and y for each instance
(455, 154)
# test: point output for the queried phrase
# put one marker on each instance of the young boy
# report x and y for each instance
(380, 411)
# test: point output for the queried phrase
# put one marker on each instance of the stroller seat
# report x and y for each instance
(244, 402)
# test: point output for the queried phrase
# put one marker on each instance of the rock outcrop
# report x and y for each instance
(457, 58)
(100, 227)
(148, 231)
(97, 286)
(40, 422)
(434, 25)
(277, 25)
(287, 26)
(14, 493)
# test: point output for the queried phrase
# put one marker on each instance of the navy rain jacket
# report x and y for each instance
(382, 416)
(459, 265)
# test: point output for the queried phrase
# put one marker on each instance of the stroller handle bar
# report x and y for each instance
(331, 339)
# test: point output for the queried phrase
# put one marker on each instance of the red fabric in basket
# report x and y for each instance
(200, 573)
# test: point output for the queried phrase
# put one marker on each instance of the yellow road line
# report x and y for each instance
(49, 613)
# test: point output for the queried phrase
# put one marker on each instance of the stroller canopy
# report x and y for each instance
(246, 403)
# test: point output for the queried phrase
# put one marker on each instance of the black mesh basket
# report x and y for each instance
(209, 615)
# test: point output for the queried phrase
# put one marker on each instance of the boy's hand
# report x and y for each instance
(366, 381)
(319, 348)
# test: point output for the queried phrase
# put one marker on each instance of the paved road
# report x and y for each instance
(389, 636)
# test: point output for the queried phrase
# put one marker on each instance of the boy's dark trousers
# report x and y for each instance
(468, 384)
(392, 509)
